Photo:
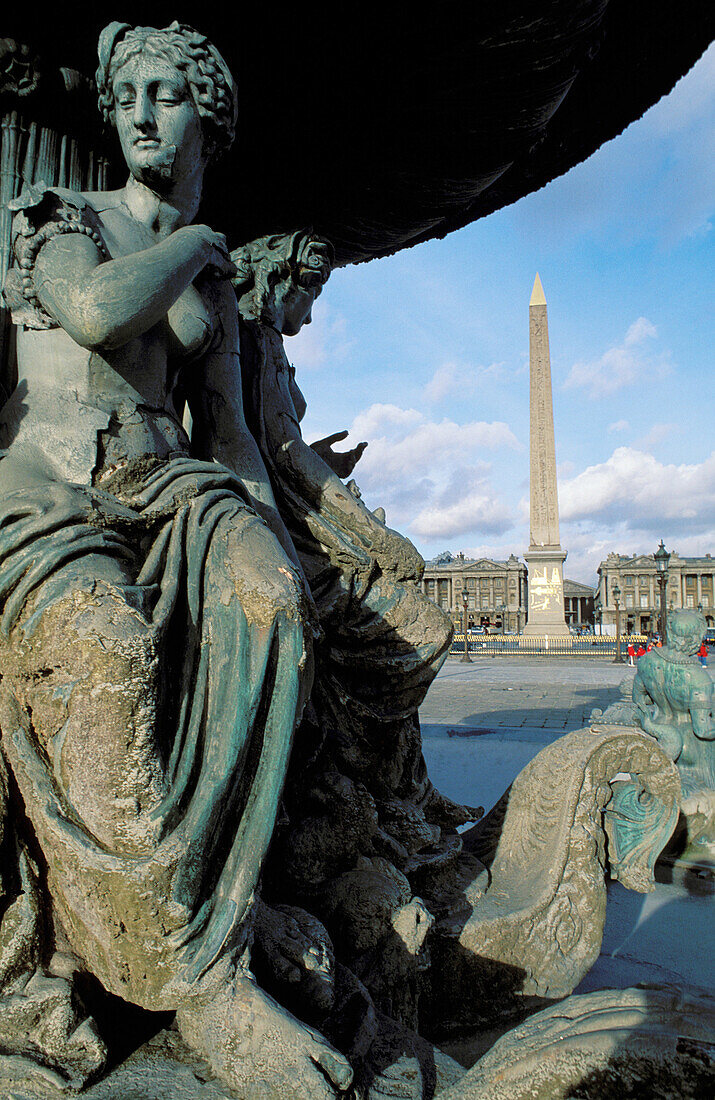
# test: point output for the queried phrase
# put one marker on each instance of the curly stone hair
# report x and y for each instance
(263, 263)
(211, 84)
(686, 630)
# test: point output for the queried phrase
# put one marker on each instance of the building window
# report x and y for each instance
(630, 579)
(690, 601)
(629, 600)
(471, 582)
(644, 602)
(706, 600)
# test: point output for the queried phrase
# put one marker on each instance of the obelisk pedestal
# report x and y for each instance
(545, 558)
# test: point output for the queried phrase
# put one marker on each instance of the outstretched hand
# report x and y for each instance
(341, 463)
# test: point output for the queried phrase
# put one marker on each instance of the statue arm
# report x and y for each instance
(219, 429)
(104, 305)
(308, 473)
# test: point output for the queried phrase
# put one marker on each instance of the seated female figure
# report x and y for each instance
(155, 625)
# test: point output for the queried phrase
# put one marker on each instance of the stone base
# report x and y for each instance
(161, 1068)
(164, 1068)
(549, 630)
(546, 593)
(530, 638)
(655, 1041)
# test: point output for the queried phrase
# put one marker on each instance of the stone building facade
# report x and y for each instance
(691, 583)
(578, 604)
(496, 590)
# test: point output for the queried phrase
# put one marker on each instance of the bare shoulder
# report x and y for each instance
(103, 200)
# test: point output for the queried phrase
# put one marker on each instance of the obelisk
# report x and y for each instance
(545, 558)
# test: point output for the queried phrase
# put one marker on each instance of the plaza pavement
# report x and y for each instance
(482, 723)
(548, 693)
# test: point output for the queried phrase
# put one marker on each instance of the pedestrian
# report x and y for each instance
(703, 655)
(640, 652)
(631, 653)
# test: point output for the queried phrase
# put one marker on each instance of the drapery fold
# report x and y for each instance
(232, 685)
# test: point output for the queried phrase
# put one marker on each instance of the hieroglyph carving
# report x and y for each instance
(545, 589)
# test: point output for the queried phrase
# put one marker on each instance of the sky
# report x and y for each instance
(425, 355)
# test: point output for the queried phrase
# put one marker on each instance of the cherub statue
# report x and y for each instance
(675, 703)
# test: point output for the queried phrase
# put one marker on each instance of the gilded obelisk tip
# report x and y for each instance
(538, 298)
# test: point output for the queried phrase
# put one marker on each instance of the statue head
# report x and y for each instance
(686, 630)
(169, 93)
(279, 278)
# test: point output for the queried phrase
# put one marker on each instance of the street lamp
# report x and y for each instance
(662, 561)
(618, 659)
(466, 659)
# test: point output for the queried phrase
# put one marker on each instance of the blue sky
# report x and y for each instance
(425, 355)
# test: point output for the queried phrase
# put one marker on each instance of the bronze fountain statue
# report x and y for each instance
(213, 801)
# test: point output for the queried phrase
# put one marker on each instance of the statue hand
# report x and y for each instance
(214, 249)
(341, 463)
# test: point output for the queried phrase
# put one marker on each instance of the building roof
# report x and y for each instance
(647, 561)
(460, 565)
(405, 126)
(574, 589)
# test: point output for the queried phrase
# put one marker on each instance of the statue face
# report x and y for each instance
(158, 124)
(293, 305)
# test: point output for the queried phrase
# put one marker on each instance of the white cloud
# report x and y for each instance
(466, 503)
(474, 511)
(445, 380)
(622, 365)
(655, 436)
(451, 378)
(428, 474)
(403, 443)
(636, 489)
(639, 331)
(323, 342)
(619, 426)
(382, 419)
